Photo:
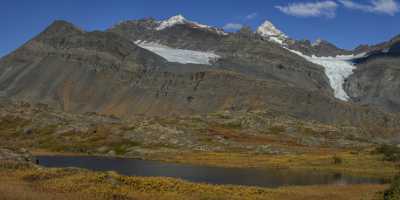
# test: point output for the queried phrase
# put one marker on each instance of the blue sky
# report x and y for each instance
(346, 23)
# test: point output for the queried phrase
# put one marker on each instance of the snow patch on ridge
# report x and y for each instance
(179, 55)
(179, 19)
(337, 69)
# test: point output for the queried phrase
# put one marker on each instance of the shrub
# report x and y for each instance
(277, 129)
(393, 193)
(390, 152)
(337, 160)
(14, 165)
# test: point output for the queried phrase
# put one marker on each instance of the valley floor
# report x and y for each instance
(32, 183)
(361, 163)
(241, 140)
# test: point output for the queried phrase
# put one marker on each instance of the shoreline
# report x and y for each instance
(58, 183)
(210, 159)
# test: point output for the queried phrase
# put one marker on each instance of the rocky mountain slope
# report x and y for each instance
(319, 48)
(175, 67)
(376, 79)
(260, 58)
(366, 75)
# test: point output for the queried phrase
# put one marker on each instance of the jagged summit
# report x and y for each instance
(317, 42)
(269, 31)
(323, 43)
(172, 21)
(60, 26)
(180, 19)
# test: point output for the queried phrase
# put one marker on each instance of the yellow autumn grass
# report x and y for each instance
(361, 163)
(44, 184)
(364, 164)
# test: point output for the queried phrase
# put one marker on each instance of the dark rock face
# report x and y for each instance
(378, 47)
(376, 81)
(183, 36)
(387, 50)
(67, 67)
(320, 48)
(105, 72)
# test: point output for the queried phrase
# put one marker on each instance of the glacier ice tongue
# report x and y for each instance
(337, 69)
(179, 55)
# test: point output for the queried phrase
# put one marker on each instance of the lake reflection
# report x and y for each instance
(203, 174)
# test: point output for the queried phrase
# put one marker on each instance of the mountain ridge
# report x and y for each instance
(107, 72)
(324, 49)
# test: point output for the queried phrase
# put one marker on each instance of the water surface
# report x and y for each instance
(204, 174)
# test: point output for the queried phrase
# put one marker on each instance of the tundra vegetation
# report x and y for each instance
(29, 182)
(251, 139)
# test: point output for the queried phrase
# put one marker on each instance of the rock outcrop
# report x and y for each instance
(21, 155)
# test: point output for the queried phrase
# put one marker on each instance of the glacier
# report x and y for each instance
(179, 55)
(337, 69)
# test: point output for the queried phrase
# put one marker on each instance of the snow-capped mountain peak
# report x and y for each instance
(317, 42)
(270, 32)
(172, 21)
(180, 19)
(267, 29)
